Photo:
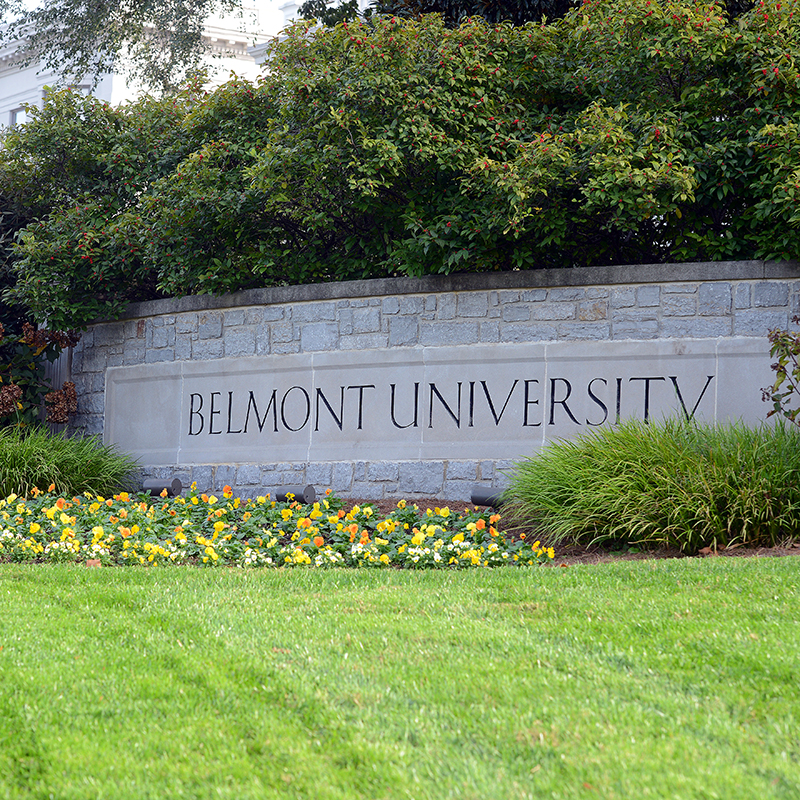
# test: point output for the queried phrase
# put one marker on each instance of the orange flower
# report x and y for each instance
(109, 503)
(328, 491)
(480, 524)
(522, 536)
(494, 518)
(341, 513)
(123, 514)
(227, 491)
(61, 503)
(352, 536)
(319, 541)
(164, 493)
(126, 532)
(113, 520)
(364, 537)
(51, 487)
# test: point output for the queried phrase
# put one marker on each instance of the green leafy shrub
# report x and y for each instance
(664, 484)
(785, 346)
(24, 390)
(626, 132)
(35, 458)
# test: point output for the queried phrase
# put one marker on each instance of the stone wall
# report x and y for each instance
(646, 303)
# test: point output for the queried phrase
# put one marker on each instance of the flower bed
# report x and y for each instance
(206, 530)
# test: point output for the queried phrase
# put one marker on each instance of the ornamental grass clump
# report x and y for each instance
(31, 457)
(668, 484)
(210, 531)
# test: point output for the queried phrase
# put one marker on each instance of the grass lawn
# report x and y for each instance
(673, 679)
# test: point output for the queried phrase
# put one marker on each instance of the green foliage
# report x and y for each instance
(671, 484)
(328, 12)
(785, 346)
(161, 40)
(31, 459)
(24, 391)
(625, 132)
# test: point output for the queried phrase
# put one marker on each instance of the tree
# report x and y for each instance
(162, 40)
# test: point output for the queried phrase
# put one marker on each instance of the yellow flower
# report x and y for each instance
(418, 538)
(35, 527)
(384, 558)
(219, 526)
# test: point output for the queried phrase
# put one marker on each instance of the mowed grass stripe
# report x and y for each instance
(657, 678)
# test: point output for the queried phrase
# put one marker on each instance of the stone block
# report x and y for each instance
(460, 491)
(262, 341)
(253, 315)
(421, 477)
(319, 336)
(233, 317)
(345, 322)
(314, 312)
(507, 296)
(248, 475)
(240, 341)
(203, 475)
(592, 311)
(412, 304)
(561, 295)
(714, 299)
(273, 313)
(517, 312)
(446, 308)
(391, 305)
(366, 320)
(437, 334)
(585, 331)
(472, 304)
(382, 471)
(751, 322)
(696, 327)
(342, 478)
(156, 356)
(680, 305)
(430, 303)
(363, 341)
(595, 292)
(208, 349)
(319, 475)
(553, 311)
(533, 295)
(209, 325)
(742, 296)
(183, 347)
(224, 475)
(186, 323)
(623, 297)
(462, 471)
(109, 334)
(164, 337)
(528, 333)
(282, 333)
(490, 331)
(771, 293)
(403, 331)
(648, 296)
(635, 329)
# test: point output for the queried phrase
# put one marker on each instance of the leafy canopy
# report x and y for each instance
(627, 132)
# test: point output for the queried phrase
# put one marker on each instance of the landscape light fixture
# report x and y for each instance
(155, 486)
(487, 496)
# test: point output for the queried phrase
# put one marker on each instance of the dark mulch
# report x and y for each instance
(569, 555)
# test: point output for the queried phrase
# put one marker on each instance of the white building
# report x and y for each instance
(228, 41)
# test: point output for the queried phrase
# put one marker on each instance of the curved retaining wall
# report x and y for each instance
(424, 387)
